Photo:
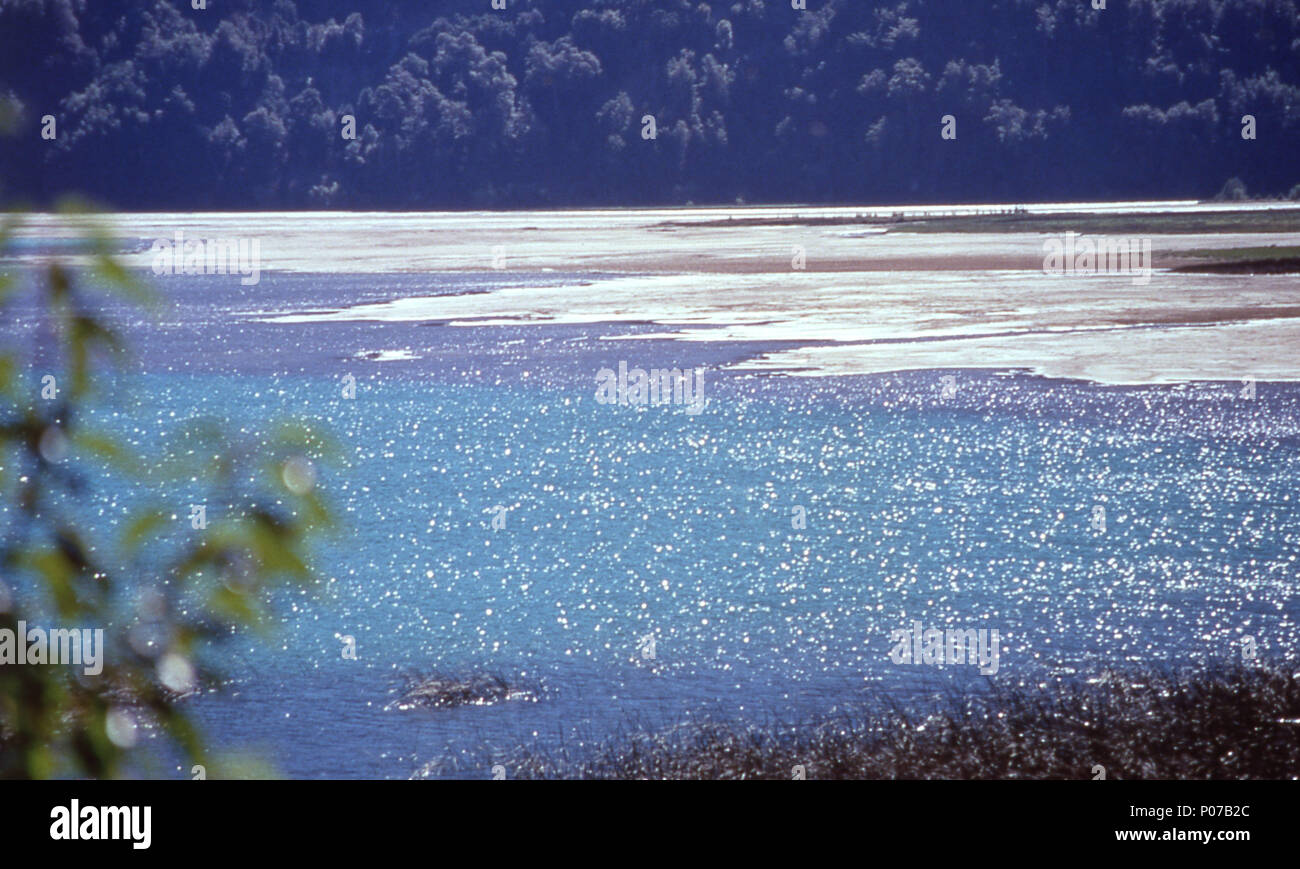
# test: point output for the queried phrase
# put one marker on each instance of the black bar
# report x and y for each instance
(1029, 819)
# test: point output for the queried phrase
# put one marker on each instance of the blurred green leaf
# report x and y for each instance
(108, 449)
(141, 528)
(214, 580)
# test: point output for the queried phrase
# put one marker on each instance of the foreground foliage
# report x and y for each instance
(166, 591)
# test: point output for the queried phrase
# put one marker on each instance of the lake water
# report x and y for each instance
(1095, 527)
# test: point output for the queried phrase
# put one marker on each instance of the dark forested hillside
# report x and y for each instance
(451, 103)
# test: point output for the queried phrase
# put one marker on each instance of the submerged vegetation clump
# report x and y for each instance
(1235, 724)
(441, 691)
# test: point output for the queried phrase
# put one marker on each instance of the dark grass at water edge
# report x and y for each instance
(1266, 260)
(1126, 223)
(1226, 254)
(1233, 723)
(1280, 266)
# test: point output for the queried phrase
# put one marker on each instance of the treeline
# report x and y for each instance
(451, 103)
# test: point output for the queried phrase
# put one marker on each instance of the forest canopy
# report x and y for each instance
(454, 104)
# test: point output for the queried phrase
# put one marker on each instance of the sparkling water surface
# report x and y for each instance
(974, 509)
